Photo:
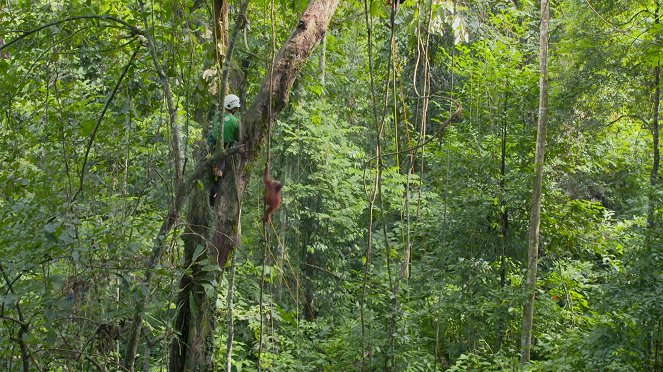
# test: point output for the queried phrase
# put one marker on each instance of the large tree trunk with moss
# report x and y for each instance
(195, 321)
(193, 312)
(535, 217)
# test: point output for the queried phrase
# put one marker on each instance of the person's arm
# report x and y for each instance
(238, 146)
(213, 135)
(238, 132)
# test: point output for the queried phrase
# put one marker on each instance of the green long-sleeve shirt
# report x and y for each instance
(230, 130)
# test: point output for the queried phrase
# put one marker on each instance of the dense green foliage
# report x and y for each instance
(402, 240)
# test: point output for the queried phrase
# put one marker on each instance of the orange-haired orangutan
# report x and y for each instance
(272, 194)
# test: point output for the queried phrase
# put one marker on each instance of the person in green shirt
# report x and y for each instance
(231, 131)
(231, 139)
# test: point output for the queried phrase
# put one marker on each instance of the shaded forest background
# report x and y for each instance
(406, 145)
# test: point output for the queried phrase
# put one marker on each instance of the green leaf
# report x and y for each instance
(200, 249)
(87, 127)
(75, 255)
(209, 290)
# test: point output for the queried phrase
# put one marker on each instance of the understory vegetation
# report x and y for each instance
(405, 137)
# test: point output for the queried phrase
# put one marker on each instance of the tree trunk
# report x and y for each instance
(221, 31)
(652, 236)
(535, 218)
(230, 320)
(192, 302)
(655, 135)
(195, 323)
(504, 223)
(653, 179)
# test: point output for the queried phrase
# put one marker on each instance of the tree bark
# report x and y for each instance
(195, 323)
(535, 218)
(230, 321)
(221, 31)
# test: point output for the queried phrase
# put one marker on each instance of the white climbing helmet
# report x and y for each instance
(230, 102)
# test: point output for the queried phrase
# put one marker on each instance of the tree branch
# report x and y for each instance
(101, 117)
(129, 26)
(632, 117)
